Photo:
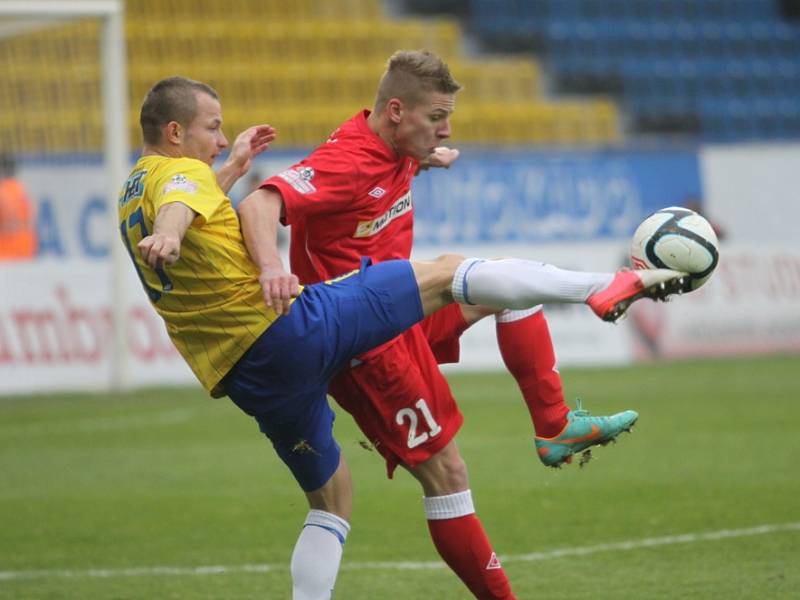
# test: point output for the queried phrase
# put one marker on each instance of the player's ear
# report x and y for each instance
(173, 132)
(394, 107)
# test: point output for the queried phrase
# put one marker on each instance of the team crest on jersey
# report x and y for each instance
(179, 183)
(399, 208)
(300, 179)
(134, 188)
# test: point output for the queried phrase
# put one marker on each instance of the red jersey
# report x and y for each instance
(349, 198)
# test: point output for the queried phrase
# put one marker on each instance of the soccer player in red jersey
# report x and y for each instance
(352, 198)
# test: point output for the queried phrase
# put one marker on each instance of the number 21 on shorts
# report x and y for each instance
(414, 438)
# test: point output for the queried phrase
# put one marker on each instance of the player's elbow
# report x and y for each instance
(262, 200)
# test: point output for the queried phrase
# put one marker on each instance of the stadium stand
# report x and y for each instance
(723, 70)
(726, 70)
(302, 65)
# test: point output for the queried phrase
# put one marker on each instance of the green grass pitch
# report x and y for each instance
(121, 496)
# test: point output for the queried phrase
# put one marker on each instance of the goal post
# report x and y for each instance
(18, 18)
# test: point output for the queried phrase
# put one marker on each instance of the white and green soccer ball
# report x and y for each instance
(676, 238)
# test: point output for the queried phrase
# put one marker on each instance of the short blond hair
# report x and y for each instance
(412, 73)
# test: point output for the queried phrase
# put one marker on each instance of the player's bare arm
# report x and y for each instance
(248, 144)
(163, 246)
(259, 214)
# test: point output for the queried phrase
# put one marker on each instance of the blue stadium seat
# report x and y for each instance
(733, 63)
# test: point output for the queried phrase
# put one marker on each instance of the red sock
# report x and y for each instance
(527, 351)
(463, 545)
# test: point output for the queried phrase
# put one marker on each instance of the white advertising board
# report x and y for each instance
(753, 191)
(56, 329)
(750, 305)
(55, 312)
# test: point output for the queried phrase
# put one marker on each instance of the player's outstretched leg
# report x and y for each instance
(517, 284)
(581, 432)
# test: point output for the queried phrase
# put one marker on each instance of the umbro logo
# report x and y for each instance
(377, 192)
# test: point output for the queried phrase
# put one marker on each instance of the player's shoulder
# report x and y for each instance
(355, 151)
(352, 136)
(166, 174)
(334, 157)
(187, 165)
(167, 164)
(179, 170)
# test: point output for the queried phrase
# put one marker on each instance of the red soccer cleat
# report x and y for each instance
(628, 286)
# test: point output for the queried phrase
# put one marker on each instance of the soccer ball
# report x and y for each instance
(676, 238)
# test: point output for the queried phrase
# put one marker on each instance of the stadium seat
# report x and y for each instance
(670, 60)
(266, 64)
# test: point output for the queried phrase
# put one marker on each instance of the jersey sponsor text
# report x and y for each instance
(399, 208)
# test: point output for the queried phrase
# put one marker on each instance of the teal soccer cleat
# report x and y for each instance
(581, 432)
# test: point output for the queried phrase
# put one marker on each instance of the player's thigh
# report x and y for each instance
(401, 401)
(301, 431)
(443, 330)
(362, 310)
(292, 412)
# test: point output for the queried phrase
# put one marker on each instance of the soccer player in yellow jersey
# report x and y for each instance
(273, 347)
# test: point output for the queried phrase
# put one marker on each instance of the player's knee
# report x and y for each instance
(455, 473)
(435, 278)
(474, 313)
(446, 266)
(443, 473)
(449, 261)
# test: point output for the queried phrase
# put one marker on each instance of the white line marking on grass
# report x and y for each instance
(687, 538)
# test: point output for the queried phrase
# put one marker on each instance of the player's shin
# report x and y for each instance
(462, 543)
(517, 284)
(527, 350)
(317, 554)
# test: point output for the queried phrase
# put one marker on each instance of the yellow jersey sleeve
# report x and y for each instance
(193, 183)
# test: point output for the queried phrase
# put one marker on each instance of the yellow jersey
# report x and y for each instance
(210, 299)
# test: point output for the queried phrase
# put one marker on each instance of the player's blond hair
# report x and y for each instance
(171, 99)
(412, 73)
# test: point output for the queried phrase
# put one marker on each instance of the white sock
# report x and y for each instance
(509, 316)
(317, 554)
(451, 506)
(518, 284)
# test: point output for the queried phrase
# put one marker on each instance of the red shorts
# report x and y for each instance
(399, 397)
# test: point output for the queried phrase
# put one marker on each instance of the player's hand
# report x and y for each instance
(160, 249)
(279, 288)
(443, 157)
(249, 144)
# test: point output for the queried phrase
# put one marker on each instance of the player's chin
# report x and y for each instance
(424, 153)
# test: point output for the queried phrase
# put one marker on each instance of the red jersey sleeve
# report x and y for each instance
(323, 183)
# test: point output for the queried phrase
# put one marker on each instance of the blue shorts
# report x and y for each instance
(282, 380)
